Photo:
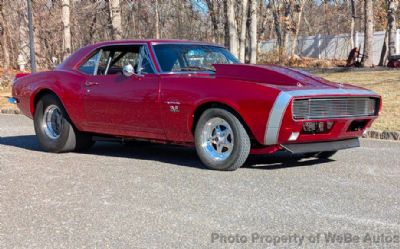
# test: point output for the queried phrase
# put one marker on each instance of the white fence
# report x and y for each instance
(332, 46)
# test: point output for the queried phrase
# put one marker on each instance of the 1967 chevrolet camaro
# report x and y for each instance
(193, 93)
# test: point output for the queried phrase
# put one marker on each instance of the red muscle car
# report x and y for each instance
(192, 93)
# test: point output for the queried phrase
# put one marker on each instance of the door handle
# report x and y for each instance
(91, 83)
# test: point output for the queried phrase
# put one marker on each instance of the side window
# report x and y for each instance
(103, 62)
(111, 60)
(129, 58)
(90, 65)
(146, 64)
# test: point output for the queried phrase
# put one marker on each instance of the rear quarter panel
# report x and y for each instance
(66, 85)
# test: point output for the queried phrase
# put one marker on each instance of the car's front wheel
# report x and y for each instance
(54, 128)
(222, 142)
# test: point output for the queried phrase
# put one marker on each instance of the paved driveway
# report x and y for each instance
(156, 196)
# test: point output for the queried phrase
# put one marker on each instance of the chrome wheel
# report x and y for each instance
(52, 121)
(217, 139)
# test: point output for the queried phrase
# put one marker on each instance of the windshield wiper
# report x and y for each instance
(192, 68)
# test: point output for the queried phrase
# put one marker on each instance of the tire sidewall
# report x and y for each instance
(237, 147)
(48, 144)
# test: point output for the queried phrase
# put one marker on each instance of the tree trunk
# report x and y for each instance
(23, 42)
(391, 16)
(296, 33)
(287, 23)
(243, 31)
(66, 28)
(115, 15)
(214, 21)
(368, 33)
(157, 21)
(353, 24)
(3, 33)
(253, 31)
(277, 26)
(92, 29)
(232, 26)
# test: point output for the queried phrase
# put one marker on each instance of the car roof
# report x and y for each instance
(153, 41)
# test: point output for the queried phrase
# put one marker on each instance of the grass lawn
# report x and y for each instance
(386, 84)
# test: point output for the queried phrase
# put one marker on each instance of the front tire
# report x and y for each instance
(54, 129)
(222, 142)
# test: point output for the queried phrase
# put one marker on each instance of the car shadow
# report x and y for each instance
(281, 160)
(172, 154)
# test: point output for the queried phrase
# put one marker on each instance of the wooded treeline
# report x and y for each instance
(61, 26)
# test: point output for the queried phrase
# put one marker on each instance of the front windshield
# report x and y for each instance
(191, 57)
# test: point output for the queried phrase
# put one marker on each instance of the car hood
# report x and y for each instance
(276, 76)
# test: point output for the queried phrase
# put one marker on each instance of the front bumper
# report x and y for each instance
(322, 146)
(282, 128)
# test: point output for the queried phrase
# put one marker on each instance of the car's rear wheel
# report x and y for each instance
(54, 129)
(222, 142)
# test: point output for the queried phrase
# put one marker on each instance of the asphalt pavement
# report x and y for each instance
(160, 196)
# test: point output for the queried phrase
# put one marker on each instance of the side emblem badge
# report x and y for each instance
(174, 108)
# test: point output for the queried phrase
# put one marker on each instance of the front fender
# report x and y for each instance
(252, 107)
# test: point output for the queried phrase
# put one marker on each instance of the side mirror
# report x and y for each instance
(128, 70)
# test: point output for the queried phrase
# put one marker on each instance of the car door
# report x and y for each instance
(120, 105)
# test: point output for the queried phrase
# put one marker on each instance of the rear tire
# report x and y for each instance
(54, 128)
(222, 142)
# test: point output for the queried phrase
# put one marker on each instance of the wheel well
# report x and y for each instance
(201, 109)
(39, 95)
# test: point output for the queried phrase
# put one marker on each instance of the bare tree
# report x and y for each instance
(157, 21)
(368, 33)
(66, 28)
(353, 23)
(277, 23)
(3, 33)
(243, 31)
(391, 19)
(23, 37)
(282, 24)
(115, 15)
(232, 27)
(299, 11)
(287, 24)
(253, 31)
(213, 15)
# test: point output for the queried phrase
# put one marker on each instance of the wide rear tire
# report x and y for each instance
(222, 142)
(54, 128)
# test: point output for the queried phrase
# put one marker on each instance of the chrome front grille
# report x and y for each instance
(314, 108)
